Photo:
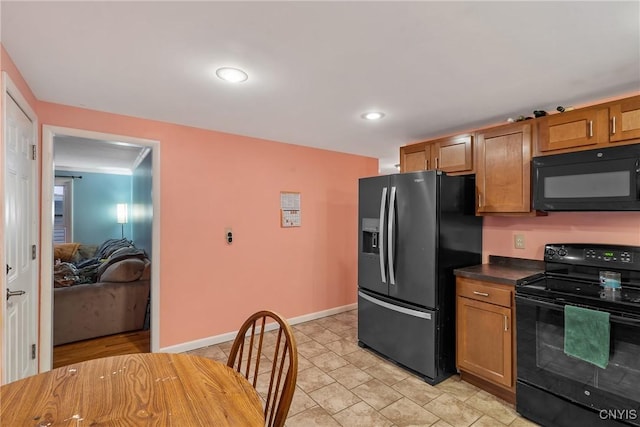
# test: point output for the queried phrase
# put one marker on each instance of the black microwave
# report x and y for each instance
(605, 179)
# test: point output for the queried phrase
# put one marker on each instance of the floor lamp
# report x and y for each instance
(122, 215)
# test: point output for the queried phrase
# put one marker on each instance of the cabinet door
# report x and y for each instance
(503, 170)
(575, 129)
(415, 157)
(625, 120)
(453, 155)
(484, 340)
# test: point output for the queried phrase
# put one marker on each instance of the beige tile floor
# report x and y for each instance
(341, 384)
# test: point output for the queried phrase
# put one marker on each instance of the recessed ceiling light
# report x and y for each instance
(373, 115)
(232, 75)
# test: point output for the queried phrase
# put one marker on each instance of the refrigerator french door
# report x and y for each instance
(414, 229)
(398, 214)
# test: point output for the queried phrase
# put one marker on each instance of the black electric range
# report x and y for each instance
(555, 389)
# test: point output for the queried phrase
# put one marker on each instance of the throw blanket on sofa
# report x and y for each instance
(89, 270)
(121, 255)
(65, 251)
(110, 246)
(65, 274)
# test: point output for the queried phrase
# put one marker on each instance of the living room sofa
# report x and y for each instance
(115, 303)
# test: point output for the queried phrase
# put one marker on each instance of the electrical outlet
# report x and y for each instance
(518, 241)
(228, 235)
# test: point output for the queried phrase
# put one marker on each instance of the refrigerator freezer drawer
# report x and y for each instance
(399, 332)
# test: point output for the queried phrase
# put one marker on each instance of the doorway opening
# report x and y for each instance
(87, 179)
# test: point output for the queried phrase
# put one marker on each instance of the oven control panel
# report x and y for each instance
(593, 254)
(608, 255)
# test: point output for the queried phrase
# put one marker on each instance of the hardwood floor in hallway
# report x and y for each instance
(112, 345)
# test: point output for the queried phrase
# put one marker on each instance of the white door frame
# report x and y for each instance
(46, 237)
(9, 88)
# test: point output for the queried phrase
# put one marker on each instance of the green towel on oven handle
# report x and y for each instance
(587, 335)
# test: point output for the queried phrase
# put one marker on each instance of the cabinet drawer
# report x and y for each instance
(482, 291)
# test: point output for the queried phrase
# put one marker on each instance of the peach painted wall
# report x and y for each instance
(6, 64)
(212, 180)
(558, 227)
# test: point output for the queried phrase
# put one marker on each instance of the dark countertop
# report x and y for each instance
(505, 270)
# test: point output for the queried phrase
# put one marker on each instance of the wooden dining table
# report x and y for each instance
(144, 389)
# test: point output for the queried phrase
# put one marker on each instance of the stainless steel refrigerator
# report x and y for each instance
(414, 229)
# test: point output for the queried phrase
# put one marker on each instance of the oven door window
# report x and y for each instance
(542, 362)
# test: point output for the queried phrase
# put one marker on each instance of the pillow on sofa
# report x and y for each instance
(65, 251)
(126, 270)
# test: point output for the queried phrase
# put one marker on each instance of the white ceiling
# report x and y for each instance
(71, 153)
(315, 67)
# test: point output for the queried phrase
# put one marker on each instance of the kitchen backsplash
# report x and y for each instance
(576, 227)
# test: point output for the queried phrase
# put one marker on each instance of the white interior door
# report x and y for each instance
(21, 290)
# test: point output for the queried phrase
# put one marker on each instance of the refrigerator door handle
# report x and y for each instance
(399, 309)
(390, 248)
(383, 206)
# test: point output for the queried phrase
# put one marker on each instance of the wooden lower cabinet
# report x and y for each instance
(485, 352)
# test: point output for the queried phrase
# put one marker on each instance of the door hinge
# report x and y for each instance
(33, 252)
(33, 351)
(33, 151)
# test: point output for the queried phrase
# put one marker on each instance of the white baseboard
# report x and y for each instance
(229, 336)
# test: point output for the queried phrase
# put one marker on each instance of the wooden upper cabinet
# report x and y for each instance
(616, 122)
(415, 157)
(625, 120)
(503, 169)
(453, 155)
(578, 128)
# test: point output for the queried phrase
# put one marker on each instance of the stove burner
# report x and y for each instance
(572, 274)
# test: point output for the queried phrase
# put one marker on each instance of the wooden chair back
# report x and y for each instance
(265, 353)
